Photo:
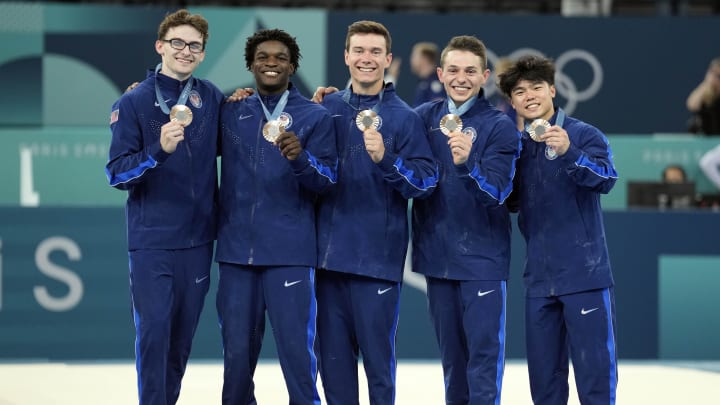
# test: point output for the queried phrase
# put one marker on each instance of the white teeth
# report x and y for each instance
(366, 69)
(273, 74)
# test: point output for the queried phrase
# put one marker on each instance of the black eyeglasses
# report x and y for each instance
(179, 44)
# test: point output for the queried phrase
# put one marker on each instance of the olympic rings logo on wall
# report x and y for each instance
(564, 84)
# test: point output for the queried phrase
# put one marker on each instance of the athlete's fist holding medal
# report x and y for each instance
(374, 144)
(368, 121)
(171, 134)
(554, 136)
(289, 145)
(460, 145)
(174, 131)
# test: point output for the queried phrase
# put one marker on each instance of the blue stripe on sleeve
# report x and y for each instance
(421, 184)
(494, 192)
(603, 172)
(482, 182)
(323, 170)
(132, 174)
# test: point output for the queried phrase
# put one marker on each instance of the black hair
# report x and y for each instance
(272, 35)
(532, 68)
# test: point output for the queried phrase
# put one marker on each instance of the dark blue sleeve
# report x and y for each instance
(589, 160)
(316, 166)
(129, 158)
(410, 168)
(489, 173)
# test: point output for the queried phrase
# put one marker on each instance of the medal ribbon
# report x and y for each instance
(375, 108)
(459, 111)
(560, 120)
(183, 96)
(278, 108)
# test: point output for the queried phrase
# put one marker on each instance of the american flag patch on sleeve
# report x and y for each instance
(114, 116)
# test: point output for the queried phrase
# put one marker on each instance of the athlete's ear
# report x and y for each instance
(159, 47)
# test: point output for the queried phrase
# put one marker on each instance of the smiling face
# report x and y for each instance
(367, 58)
(533, 100)
(180, 64)
(463, 75)
(271, 67)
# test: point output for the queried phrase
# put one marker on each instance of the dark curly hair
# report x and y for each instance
(532, 68)
(272, 35)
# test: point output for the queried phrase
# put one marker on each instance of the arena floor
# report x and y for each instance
(419, 383)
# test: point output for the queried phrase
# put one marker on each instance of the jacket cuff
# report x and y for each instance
(572, 155)
(387, 163)
(300, 163)
(157, 153)
(464, 169)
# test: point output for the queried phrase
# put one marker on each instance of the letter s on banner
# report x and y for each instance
(52, 270)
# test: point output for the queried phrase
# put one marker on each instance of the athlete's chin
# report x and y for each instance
(273, 88)
(460, 99)
(368, 83)
(530, 115)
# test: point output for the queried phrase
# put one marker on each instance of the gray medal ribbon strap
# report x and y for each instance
(560, 120)
(278, 108)
(459, 111)
(375, 108)
(183, 96)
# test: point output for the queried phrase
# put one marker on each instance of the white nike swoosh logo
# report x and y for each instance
(482, 293)
(200, 280)
(244, 117)
(158, 104)
(291, 283)
(381, 292)
(584, 312)
(336, 115)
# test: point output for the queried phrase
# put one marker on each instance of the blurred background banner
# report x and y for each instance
(63, 255)
(66, 64)
(56, 166)
(64, 289)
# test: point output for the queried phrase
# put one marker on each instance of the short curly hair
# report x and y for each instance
(272, 35)
(183, 17)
